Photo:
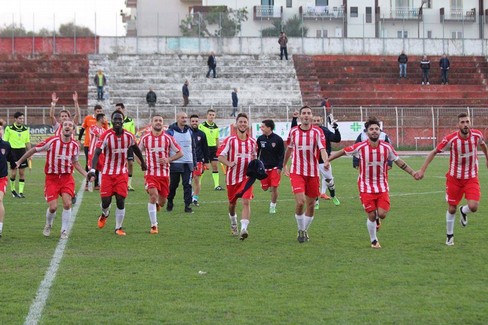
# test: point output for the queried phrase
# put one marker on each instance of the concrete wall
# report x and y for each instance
(309, 46)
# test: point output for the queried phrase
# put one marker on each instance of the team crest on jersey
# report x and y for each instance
(199, 138)
(273, 144)
(263, 144)
(3, 151)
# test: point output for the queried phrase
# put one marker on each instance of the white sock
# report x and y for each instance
(450, 223)
(371, 229)
(233, 219)
(272, 205)
(50, 217)
(151, 209)
(323, 188)
(1, 227)
(65, 217)
(307, 221)
(106, 211)
(300, 221)
(244, 224)
(466, 209)
(119, 217)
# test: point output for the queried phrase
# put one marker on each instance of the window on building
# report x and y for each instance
(456, 4)
(402, 34)
(289, 3)
(457, 35)
(369, 16)
(429, 34)
(321, 3)
(325, 33)
(354, 11)
(267, 2)
(429, 4)
(401, 4)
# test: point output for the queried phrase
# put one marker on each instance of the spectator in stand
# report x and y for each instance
(62, 153)
(304, 169)
(186, 93)
(444, 64)
(88, 122)
(462, 176)
(425, 66)
(183, 166)
(271, 151)
(212, 64)
(151, 98)
(235, 103)
(100, 81)
(18, 135)
(327, 105)
(158, 147)
(5, 156)
(114, 143)
(283, 41)
(402, 61)
(236, 152)
(64, 115)
(201, 152)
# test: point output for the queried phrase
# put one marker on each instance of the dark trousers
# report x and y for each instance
(444, 75)
(174, 182)
(211, 69)
(100, 92)
(283, 50)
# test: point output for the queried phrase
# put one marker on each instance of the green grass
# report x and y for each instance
(270, 278)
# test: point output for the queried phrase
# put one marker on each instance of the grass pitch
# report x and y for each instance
(270, 278)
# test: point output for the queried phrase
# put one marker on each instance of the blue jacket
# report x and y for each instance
(187, 143)
(444, 63)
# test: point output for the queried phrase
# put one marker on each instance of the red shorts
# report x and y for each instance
(305, 184)
(161, 183)
(101, 159)
(114, 184)
(455, 188)
(56, 184)
(372, 201)
(3, 184)
(232, 190)
(199, 170)
(273, 179)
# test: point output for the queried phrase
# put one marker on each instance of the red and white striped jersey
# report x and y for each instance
(95, 134)
(241, 152)
(60, 155)
(157, 148)
(115, 149)
(373, 165)
(306, 147)
(463, 162)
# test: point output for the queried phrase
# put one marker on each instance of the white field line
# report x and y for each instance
(35, 310)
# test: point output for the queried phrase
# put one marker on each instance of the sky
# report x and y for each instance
(37, 14)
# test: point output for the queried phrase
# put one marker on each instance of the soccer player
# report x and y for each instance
(184, 166)
(87, 123)
(271, 151)
(130, 126)
(201, 152)
(64, 115)
(18, 136)
(363, 136)
(158, 147)
(96, 132)
(62, 153)
(211, 131)
(5, 156)
(304, 143)
(462, 177)
(373, 175)
(236, 152)
(114, 143)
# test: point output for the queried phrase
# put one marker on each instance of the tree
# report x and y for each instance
(12, 29)
(71, 30)
(228, 22)
(292, 27)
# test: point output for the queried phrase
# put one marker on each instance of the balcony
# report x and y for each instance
(268, 12)
(322, 13)
(131, 3)
(458, 15)
(402, 14)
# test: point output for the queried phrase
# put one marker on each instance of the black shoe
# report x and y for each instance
(188, 209)
(14, 194)
(301, 236)
(219, 188)
(73, 200)
(195, 203)
(169, 206)
(21, 196)
(464, 217)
